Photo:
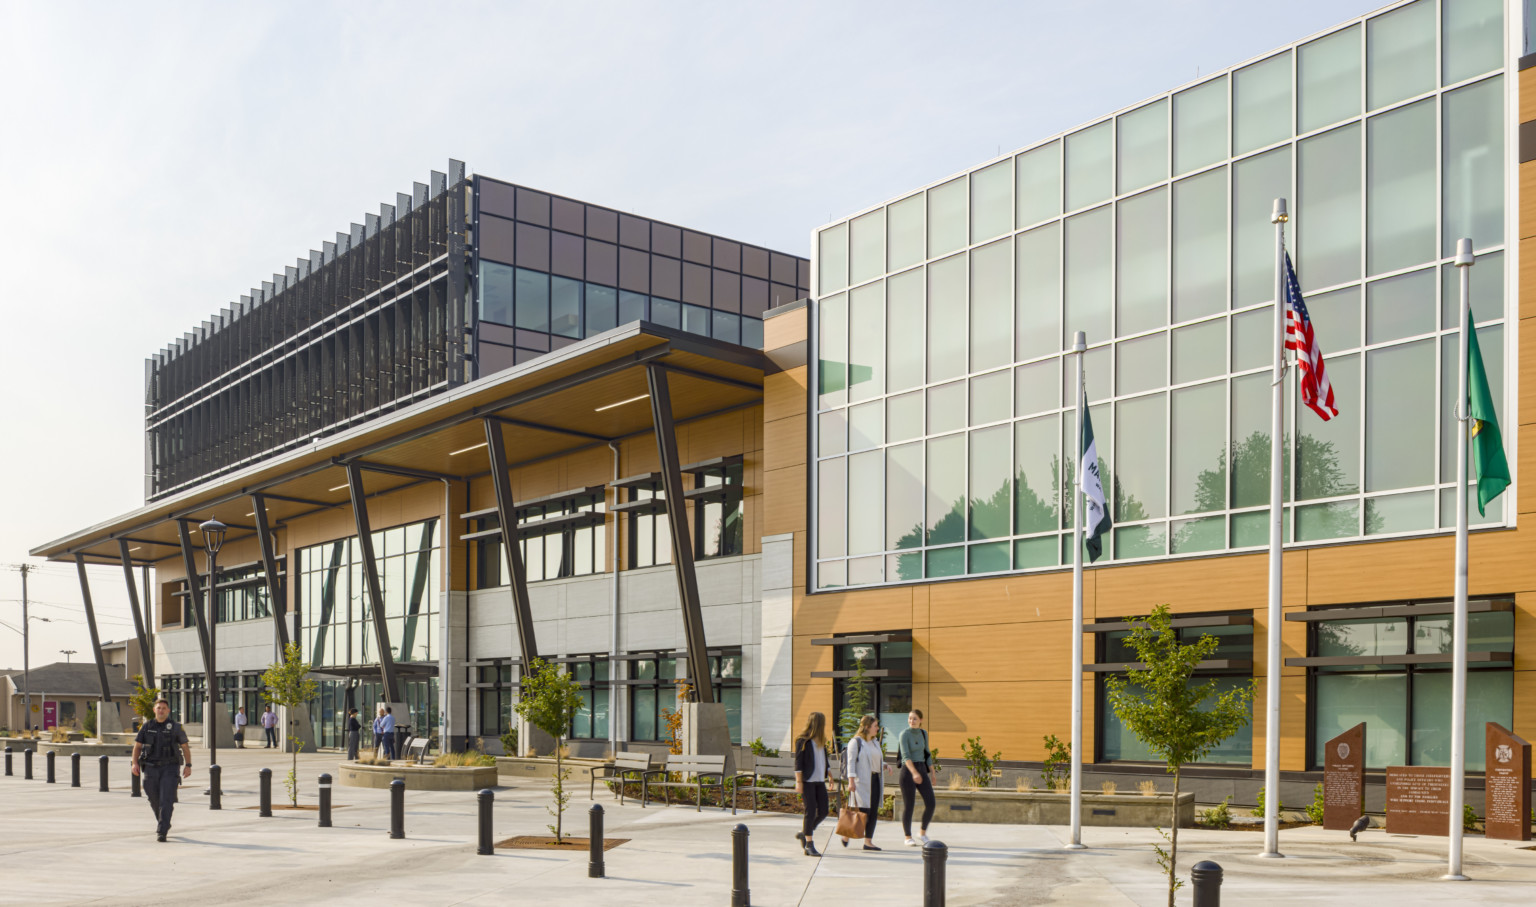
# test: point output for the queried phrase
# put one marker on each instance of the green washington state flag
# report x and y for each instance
(1487, 444)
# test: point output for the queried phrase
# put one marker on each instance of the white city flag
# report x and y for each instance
(1097, 523)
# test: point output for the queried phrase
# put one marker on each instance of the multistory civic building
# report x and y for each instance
(867, 458)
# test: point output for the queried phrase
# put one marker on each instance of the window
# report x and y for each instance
(717, 513)
(653, 692)
(650, 539)
(558, 537)
(591, 721)
(1234, 648)
(335, 626)
(490, 683)
(890, 692)
(1393, 672)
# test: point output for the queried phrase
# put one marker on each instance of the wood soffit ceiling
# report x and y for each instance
(445, 435)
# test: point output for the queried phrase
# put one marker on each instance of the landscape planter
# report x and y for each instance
(1038, 807)
(514, 767)
(417, 777)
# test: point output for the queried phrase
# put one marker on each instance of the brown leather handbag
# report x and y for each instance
(850, 821)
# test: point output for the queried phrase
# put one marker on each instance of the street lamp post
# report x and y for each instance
(213, 539)
(66, 653)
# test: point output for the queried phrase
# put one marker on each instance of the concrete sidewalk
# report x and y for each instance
(68, 846)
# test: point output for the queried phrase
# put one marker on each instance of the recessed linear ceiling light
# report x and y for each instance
(621, 403)
(339, 487)
(252, 513)
(134, 548)
(454, 453)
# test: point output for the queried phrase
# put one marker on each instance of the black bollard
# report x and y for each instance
(595, 868)
(740, 896)
(135, 785)
(26, 765)
(74, 769)
(934, 855)
(397, 808)
(266, 793)
(213, 787)
(102, 762)
(8, 771)
(486, 797)
(1207, 884)
(325, 801)
(48, 761)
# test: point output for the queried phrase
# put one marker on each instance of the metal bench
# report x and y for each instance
(631, 764)
(695, 772)
(765, 768)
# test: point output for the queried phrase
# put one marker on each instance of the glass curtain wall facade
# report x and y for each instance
(336, 626)
(944, 429)
(552, 270)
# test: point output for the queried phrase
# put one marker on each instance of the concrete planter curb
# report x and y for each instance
(512, 768)
(1006, 807)
(416, 777)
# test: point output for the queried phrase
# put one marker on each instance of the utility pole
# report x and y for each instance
(26, 666)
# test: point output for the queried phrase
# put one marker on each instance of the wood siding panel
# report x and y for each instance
(784, 394)
(1000, 652)
(784, 510)
(1012, 717)
(836, 612)
(784, 444)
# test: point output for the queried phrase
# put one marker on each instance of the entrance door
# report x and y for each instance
(50, 714)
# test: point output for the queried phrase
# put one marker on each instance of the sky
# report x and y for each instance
(159, 159)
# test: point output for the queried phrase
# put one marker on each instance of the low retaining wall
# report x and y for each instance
(512, 768)
(416, 777)
(1006, 807)
(88, 749)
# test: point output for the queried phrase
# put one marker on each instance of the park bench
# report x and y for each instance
(779, 768)
(625, 766)
(694, 772)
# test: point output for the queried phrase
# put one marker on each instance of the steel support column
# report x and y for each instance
(275, 588)
(506, 512)
(194, 593)
(145, 658)
(90, 622)
(682, 540)
(392, 690)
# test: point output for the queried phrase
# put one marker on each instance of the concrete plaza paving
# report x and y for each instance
(67, 846)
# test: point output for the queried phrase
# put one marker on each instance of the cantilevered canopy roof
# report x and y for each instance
(586, 394)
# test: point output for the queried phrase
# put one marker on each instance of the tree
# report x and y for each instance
(288, 685)
(142, 700)
(549, 701)
(857, 699)
(1171, 715)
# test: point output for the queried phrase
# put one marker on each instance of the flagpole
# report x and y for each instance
(1459, 621)
(1276, 542)
(1079, 345)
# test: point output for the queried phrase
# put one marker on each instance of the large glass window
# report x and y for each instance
(591, 721)
(719, 528)
(1394, 674)
(890, 696)
(1235, 643)
(945, 382)
(653, 693)
(335, 617)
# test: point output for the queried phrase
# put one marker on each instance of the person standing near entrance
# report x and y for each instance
(269, 728)
(811, 779)
(354, 733)
(156, 760)
(240, 722)
(387, 728)
(916, 777)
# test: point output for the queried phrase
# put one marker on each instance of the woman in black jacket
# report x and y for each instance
(811, 778)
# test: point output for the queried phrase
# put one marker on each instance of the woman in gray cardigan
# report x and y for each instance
(864, 762)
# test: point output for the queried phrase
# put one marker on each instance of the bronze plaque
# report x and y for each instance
(1418, 800)
(1344, 779)
(1508, 811)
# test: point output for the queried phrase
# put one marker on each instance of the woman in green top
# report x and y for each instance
(916, 777)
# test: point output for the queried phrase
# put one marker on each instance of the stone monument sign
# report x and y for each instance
(1344, 779)
(1418, 800)
(1508, 811)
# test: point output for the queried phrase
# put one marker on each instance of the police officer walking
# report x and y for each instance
(156, 759)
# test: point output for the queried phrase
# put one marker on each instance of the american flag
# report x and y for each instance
(1316, 392)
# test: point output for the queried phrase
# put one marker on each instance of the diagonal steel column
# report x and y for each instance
(90, 622)
(146, 659)
(194, 591)
(506, 512)
(682, 541)
(276, 599)
(392, 690)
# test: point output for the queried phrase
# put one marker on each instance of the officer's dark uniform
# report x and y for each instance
(160, 766)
